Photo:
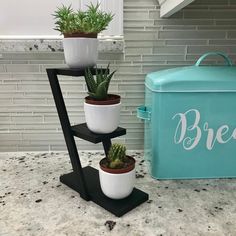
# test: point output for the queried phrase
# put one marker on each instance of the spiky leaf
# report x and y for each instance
(98, 88)
(101, 92)
(90, 21)
(90, 81)
(109, 79)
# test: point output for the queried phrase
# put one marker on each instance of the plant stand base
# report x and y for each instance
(116, 207)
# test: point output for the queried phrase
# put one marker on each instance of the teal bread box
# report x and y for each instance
(190, 121)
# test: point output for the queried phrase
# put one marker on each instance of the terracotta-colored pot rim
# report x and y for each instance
(80, 35)
(112, 99)
(118, 171)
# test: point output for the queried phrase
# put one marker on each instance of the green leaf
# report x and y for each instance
(91, 21)
(92, 95)
(99, 78)
(101, 91)
(90, 82)
(109, 79)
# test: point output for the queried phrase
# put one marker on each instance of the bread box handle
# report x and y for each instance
(143, 113)
(227, 59)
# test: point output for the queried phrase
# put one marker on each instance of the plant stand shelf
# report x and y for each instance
(116, 207)
(85, 180)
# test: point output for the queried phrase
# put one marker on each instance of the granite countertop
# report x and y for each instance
(34, 203)
(55, 45)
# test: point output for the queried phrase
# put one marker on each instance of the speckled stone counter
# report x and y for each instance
(33, 202)
(53, 45)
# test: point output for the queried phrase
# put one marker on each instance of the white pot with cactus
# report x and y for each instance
(80, 30)
(102, 110)
(117, 173)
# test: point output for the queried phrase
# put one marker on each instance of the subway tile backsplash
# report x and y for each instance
(28, 118)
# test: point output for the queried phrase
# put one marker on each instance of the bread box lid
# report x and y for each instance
(196, 78)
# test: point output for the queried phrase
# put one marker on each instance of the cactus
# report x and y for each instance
(117, 156)
(98, 88)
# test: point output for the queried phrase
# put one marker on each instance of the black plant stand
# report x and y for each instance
(85, 180)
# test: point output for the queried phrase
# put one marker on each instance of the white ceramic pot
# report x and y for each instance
(102, 119)
(80, 52)
(117, 186)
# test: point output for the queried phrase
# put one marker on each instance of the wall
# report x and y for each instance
(28, 119)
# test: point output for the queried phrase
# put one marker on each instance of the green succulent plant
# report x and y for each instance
(98, 85)
(117, 156)
(92, 20)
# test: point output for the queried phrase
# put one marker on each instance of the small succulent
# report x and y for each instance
(98, 87)
(117, 156)
(92, 20)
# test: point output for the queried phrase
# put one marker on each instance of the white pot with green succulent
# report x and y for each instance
(117, 172)
(80, 30)
(102, 110)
